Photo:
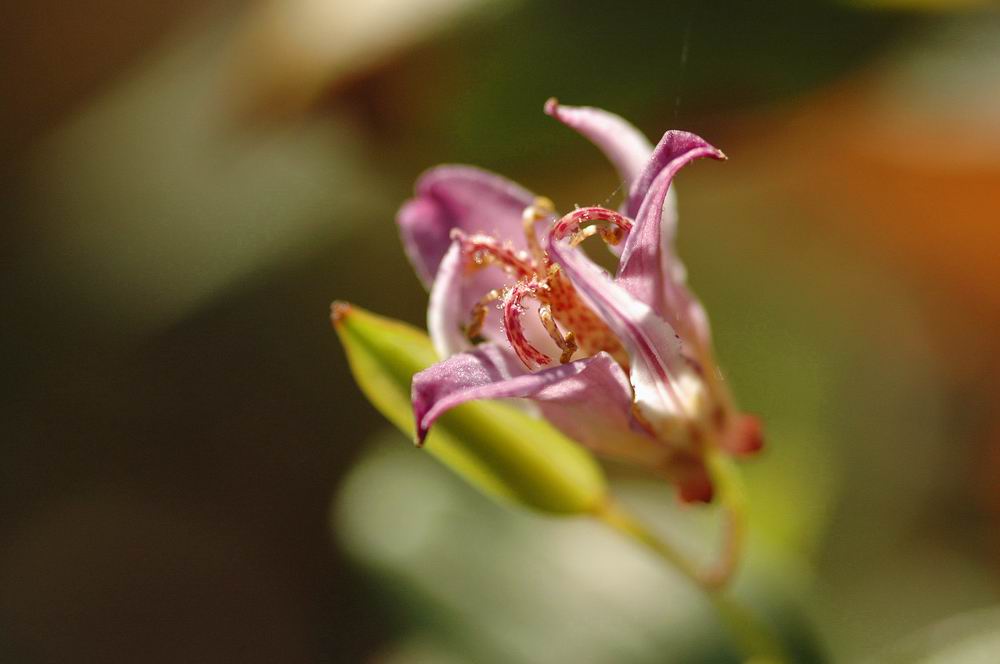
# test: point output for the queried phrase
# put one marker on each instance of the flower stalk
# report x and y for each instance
(755, 638)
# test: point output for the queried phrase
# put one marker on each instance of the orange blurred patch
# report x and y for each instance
(912, 191)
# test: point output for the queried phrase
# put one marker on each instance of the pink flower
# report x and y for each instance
(624, 364)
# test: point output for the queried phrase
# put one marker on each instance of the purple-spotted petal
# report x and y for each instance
(624, 145)
(663, 379)
(648, 269)
(589, 400)
(462, 197)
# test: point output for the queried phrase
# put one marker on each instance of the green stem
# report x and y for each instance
(732, 498)
(754, 636)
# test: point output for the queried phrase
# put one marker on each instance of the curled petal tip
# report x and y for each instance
(716, 153)
(421, 436)
(339, 310)
(551, 106)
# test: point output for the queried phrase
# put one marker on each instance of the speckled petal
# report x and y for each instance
(665, 388)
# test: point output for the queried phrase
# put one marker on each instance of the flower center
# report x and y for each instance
(569, 322)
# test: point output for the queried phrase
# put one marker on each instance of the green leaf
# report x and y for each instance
(497, 448)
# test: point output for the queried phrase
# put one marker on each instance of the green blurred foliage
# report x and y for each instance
(471, 92)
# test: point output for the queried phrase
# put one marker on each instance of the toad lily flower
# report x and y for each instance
(623, 364)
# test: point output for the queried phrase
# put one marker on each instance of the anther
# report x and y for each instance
(473, 331)
(566, 343)
(611, 235)
(578, 237)
(540, 209)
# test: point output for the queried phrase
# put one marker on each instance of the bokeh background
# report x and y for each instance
(188, 473)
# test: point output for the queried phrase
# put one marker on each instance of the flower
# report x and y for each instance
(623, 365)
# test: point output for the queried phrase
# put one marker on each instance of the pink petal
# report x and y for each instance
(648, 269)
(463, 197)
(624, 145)
(589, 400)
(660, 374)
(673, 145)
(450, 305)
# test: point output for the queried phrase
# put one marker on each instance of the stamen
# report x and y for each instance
(611, 235)
(484, 250)
(473, 331)
(582, 234)
(566, 343)
(613, 226)
(512, 312)
(542, 208)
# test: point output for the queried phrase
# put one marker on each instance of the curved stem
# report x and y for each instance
(613, 515)
(755, 638)
(732, 498)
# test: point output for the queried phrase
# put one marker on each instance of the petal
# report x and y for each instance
(673, 145)
(449, 308)
(666, 386)
(589, 400)
(461, 378)
(595, 408)
(647, 268)
(463, 197)
(624, 145)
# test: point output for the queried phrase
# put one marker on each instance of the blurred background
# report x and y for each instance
(188, 472)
